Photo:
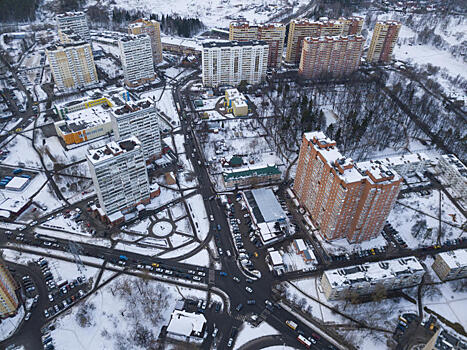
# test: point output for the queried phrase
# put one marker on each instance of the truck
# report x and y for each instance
(123, 257)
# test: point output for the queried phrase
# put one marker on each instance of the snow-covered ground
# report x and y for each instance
(248, 333)
(9, 325)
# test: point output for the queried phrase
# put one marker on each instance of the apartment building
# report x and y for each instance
(383, 41)
(72, 65)
(451, 265)
(300, 29)
(229, 63)
(272, 33)
(452, 173)
(8, 299)
(136, 56)
(344, 199)
(366, 279)
(118, 171)
(141, 119)
(330, 56)
(74, 21)
(88, 118)
(407, 164)
(153, 29)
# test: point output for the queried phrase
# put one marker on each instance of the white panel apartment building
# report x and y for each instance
(228, 63)
(137, 61)
(74, 21)
(453, 174)
(141, 119)
(343, 283)
(451, 265)
(119, 173)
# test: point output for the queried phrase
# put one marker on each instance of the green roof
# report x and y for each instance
(236, 161)
(266, 171)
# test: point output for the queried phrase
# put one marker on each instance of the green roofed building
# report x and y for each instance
(251, 176)
(236, 161)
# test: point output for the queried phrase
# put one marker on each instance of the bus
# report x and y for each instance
(291, 324)
(304, 341)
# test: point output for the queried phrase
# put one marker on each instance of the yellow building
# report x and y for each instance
(8, 300)
(351, 25)
(153, 29)
(236, 103)
(72, 65)
(383, 41)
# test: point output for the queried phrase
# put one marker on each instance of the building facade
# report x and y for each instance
(140, 119)
(118, 171)
(383, 41)
(369, 278)
(272, 33)
(251, 176)
(453, 174)
(236, 103)
(351, 25)
(72, 65)
(8, 299)
(229, 63)
(137, 61)
(451, 265)
(74, 21)
(153, 29)
(330, 56)
(344, 199)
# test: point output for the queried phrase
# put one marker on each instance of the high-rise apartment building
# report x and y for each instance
(330, 56)
(344, 199)
(352, 25)
(383, 41)
(136, 57)
(74, 21)
(118, 171)
(272, 33)
(229, 63)
(140, 119)
(8, 299)
(153, 29)
(72, 65)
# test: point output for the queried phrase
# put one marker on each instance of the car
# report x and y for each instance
(236, 279)
(248, 289)
(251, 302)
(204, 305)
(220, 251)
(56, 308)
(51, 298)
(249, 280)
(27, 317)
(230, 342)
(315, 336)
(46, 314)
(214, 333)
(239, 307)
(81, 293)
(196, 278)
(211, 217)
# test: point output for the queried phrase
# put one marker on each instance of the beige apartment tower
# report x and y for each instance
(272, 33)
(330, 56)
(153, 29)
(72, 65)
(344, 199)
(8, 300)
(383, 41)
(302, 28)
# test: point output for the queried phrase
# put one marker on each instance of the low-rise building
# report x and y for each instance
(236, 103)
(406, 164)
(251, 175)
(365, 279)
(276, 263)
(186, 326)
(302, 249)
(451, 265)
(453, 174)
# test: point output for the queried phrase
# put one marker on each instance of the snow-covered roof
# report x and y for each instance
(16, 183)
(115, 216)
(268, 205)
(375, 271)
(403, 159)
(455, 258)
(13, 205)
(455, 163)
(276, 258)
(186, 323)
(113, 149)
(300, 244)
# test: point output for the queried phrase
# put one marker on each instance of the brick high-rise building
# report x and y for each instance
(72, 64)
(137, 61)
(330, 56)
(272, 33)
(8, 300)
(383, 41)
(352, 25)
(153, 29)
(74, 21)
(345, 199)
(229, 63)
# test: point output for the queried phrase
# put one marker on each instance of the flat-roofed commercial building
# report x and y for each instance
(272, 33)
(344, 199)
(383, 41)
(330, 56)
(72, 65)
(451, 265)
(153, 29)
(137, 61)
(229, 63)
(366, 279)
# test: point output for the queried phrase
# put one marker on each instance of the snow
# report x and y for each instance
(74, 237)
(249, 332)
(200, 259)
(199, 216)
(165, 103)
(8, 326)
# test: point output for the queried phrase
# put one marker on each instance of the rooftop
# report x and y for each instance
(456, 163)
(133, 106)
(403, 159)
(374, 272)
(336, 38)
(113, 149)
(234, 43)
(61, 46)
(70, 14)
(267, 203)
(186, 323)
(455, 258)
(85, 118)
(132, 37)
(276, 258)
(259, 170)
